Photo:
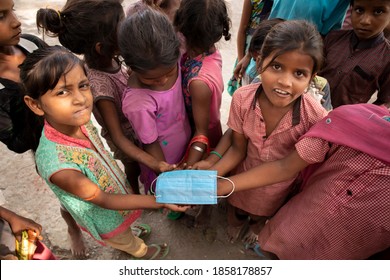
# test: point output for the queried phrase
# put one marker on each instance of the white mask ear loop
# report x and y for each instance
(218, 196)
(233, 187)
(151, 188)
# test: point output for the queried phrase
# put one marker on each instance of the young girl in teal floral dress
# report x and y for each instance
(72, 158)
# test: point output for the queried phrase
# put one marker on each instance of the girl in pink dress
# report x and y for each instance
(202, 23)
(342, 210)
(268, 118)
(153, 101)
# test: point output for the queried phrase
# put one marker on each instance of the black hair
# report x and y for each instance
(81, 24)
(261, 32)
(43, 68)
(147, 40)
(294, 35)
(203, 22)
(352, 2)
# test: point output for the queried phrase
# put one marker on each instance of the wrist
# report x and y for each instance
(215, 155)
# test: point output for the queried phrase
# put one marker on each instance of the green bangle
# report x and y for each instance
(216, 153)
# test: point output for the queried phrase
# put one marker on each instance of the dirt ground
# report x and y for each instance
(23, 191)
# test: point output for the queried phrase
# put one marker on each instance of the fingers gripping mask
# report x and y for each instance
(188, 187)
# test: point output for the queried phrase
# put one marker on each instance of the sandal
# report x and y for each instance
(162, 251)
(173, 215)
(142, 230)
(256, 248)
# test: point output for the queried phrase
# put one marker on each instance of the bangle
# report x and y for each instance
(197, 148)
(216, 153)
(92, 196)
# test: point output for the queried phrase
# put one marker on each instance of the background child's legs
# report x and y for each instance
(127, 242)
(77, 245)
(203, 216)
(256, 224)
(132, 171)
(237, 220)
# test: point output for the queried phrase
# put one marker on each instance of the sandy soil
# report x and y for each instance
(23, 191)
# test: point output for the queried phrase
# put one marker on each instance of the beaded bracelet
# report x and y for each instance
(216, 153)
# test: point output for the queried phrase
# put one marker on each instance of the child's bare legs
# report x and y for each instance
(77, 245)
(202, 218)
(236, 222)
(256, 224)
(133, 171)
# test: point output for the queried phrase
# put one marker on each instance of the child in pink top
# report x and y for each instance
(202, 23)
(342, 210)
(153, 101)
(268, 118)
(202, 71)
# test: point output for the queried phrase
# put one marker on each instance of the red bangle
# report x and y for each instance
(199, 138)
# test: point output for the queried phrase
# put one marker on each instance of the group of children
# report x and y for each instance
(154, 83)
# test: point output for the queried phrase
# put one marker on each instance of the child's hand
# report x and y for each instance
(19, 223)
(182, 165)
(203, 164)
(177, 208)
(241, 67)
(164, 166)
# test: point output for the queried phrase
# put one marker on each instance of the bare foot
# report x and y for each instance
(250, 237)
(77, 246)
(210, 234)
(234, 232)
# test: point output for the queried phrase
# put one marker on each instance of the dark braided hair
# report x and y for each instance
(203, 22)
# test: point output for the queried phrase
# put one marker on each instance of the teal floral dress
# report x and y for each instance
(58, 152)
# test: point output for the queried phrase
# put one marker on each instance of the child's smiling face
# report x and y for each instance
(370, 17)
(287, 77)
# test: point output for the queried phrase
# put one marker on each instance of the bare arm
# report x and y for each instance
(155, 150)
(19, 223)
(234, 155)
(265, 174)
(223, 145)
(78, 184)
(241, 66)
(110, 117)
(201, 99)
(241, 33)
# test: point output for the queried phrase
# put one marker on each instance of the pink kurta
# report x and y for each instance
(159, 116)
(343, 211)
(245, 119)
(208, 69)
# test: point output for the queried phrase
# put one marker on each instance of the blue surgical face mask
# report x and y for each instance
(189, 187)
